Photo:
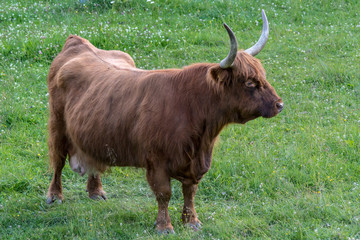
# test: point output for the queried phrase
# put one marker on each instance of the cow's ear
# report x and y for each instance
(220, 76)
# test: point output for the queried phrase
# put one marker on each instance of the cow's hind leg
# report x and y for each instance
(94, 187)
(58, 145)
(159, 182)
(189, 216)
(55, 188)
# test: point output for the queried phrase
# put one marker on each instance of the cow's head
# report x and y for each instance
(243, 79)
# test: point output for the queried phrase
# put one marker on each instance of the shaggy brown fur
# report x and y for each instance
(105, 112)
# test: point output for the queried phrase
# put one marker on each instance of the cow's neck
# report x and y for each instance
(210, 108)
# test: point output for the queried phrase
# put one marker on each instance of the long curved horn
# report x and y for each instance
(229, 60)
(263, 38)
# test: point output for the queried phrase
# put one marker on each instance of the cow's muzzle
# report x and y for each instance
(279, 106)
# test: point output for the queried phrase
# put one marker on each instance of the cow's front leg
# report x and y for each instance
(159, 182)
(189, 216)
(94, 187)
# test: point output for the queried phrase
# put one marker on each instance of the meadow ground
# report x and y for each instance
(295, 176)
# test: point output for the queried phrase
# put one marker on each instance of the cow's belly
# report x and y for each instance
(82, 161)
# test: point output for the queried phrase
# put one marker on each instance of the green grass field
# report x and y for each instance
(295, 176)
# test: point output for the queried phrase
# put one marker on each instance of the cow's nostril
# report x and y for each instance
(280, 106)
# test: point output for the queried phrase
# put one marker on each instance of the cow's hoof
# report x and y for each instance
(196, 227)
(165, 231)
(98, 197)
(52, 199)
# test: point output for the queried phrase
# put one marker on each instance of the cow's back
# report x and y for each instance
(75, 47)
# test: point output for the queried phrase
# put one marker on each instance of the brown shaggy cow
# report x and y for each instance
(106, 112)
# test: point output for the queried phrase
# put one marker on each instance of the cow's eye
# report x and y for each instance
(250, 84)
